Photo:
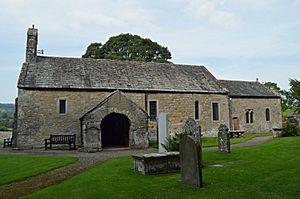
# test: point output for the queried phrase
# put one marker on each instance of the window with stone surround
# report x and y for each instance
(153, 110)
(249, 116)
(268, 115)
(62, 106)
(215, 111)
(197, 110)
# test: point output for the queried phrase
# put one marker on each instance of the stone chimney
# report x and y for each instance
(31, 48)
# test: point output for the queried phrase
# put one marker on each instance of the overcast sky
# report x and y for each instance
(234, 39)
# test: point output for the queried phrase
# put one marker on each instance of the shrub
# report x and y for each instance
(290, 127)
(3, 128)
(172, 142)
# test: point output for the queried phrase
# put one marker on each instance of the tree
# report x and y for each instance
(273, 86)
(285, 95)
(94, 50)
(129, 47)
(295, 93)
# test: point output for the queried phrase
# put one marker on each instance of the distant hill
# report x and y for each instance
(7, 110)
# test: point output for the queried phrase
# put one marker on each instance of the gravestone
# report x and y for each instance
(190, 162)
(224, 139)
(192, 128)
(162, 131)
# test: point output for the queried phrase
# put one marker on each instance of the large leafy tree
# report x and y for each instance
(129, 47)
(295, 93)
(94, 50)
(291, 98)
(284, 94)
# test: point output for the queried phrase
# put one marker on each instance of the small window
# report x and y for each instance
(267, 115)
(215, 109)
(249, 116)
(62, 106)
(153, 110)
(197, 110)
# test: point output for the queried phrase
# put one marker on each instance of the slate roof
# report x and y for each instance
(85, 73)
(247, 89)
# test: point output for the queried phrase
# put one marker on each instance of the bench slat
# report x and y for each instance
(61, 139)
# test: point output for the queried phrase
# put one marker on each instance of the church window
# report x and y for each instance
(197, 110)
(215, 111)
(267, 115)
(249, 116)
(62, 106)
(153, 110)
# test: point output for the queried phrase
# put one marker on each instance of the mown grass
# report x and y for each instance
(16, 167)
(270, 170)
(213, 141)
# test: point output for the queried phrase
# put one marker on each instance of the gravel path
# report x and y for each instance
(5, 134)
(252, 142)
(86, 161)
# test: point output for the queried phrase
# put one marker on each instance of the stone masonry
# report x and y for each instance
(259, 106)
(84, 84)
(38, 115)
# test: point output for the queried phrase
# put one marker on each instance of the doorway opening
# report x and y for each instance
(115, 131)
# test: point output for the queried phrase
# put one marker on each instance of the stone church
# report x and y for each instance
(110, 103)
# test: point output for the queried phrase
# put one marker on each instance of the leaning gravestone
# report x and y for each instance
(190, 162)
(192, 128)
(224, 139)
(162, 131)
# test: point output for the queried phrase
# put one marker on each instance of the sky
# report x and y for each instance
(234, 39)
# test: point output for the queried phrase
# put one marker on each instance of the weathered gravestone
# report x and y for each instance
(190, 162)
(224, 139)
(192, 128)
(162, 131)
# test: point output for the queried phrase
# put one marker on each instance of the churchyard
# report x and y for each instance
(269, 170)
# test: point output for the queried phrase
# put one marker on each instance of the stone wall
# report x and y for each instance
(238, 108)
(181, 106)
(115, 103)
(38, 115)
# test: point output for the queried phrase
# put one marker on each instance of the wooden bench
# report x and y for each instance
(7, 142)
(61, 139)
(238, 133)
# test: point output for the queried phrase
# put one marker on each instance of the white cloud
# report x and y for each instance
(76, 15)
(253, 4)
(212, 11)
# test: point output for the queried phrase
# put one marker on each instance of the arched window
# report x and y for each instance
(267, 114)
(249, 116)
(197, 110)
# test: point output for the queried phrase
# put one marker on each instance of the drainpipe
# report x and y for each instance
(81, 131)
(230, 112)
(146, 102)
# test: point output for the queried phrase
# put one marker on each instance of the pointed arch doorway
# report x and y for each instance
(115, 130)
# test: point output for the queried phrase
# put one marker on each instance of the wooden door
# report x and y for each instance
(236, 123)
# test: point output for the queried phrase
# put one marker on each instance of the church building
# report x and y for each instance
(109, 103)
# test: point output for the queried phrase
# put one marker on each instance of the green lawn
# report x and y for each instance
(16, 167)
(270, 170)
(213, 141)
